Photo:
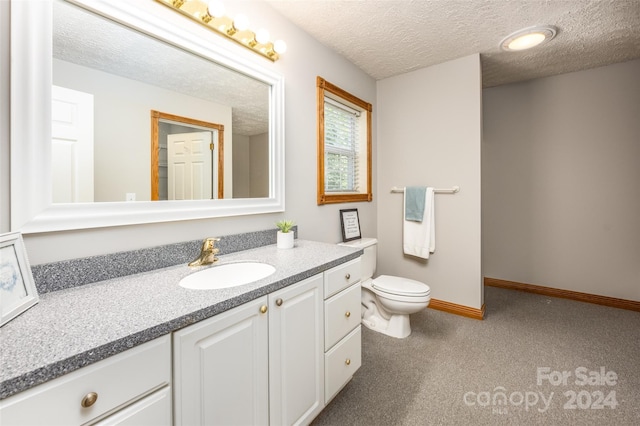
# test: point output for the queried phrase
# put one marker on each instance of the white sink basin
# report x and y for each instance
(229, 275)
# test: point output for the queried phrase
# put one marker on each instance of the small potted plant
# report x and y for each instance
(285, 235)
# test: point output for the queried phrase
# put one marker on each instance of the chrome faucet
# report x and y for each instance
(207, 253)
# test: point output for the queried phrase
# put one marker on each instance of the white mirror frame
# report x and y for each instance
(32, 210)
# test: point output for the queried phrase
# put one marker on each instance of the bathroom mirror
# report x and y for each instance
(204, 82)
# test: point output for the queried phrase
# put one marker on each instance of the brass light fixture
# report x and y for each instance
(212, 15)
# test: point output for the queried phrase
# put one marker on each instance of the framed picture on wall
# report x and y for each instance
(350, 224)
(17, 289)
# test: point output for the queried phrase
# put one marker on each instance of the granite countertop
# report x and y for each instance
(72, 328)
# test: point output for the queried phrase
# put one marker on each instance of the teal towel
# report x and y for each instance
(414, 197)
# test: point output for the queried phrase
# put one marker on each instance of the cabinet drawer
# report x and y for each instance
(117, 381)
(342, 314)
(153, 410)
(341, 277)
(341, 362)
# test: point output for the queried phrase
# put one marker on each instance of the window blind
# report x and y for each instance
(341, 137)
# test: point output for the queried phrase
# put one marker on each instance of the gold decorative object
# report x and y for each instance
(207, 253)
(211, 15)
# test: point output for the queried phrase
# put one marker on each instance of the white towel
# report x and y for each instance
(419, 238)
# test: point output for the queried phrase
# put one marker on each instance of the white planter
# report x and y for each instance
(285, 240)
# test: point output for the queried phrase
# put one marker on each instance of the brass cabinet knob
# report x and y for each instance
(279, 302)
(348, 276)
(89, 399)
(263, 309)
(348, 361)
(347, 314)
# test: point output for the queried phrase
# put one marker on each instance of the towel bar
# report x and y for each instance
(451, 190)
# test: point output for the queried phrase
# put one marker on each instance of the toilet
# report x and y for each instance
(387, 301)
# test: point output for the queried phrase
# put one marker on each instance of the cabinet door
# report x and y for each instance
(221, 369)
(296, 348)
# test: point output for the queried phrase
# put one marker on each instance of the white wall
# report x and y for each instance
(561, 176)
(259, 162)
(304, 60)
(251, 166)
(241, 166)
(429, 131)
(121, 103)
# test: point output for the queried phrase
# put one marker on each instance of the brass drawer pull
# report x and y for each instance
(347, 314)
(348, 361)
(89, 399)
(348, 276)
(279, 302)
(263, 309)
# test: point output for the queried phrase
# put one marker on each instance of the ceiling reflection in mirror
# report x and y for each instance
(122, 76)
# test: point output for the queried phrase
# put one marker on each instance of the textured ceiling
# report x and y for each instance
(390, 37)
(91, 41)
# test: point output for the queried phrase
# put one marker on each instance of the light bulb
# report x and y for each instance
(526, 41)
(528, 38)
(216, 8)
(279, 46)
(241, 22)
(262, 36)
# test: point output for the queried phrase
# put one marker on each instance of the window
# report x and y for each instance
(344, 146)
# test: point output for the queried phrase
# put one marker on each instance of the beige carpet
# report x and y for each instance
(458, 371)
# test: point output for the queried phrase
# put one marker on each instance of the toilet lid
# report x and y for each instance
(400, 286)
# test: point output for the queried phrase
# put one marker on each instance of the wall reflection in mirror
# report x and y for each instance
(109, 81)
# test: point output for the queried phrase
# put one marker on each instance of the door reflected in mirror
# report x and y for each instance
(187, 158)
(109, 77)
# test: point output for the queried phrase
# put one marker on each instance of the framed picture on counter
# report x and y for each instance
(17, 288)
(350, 224)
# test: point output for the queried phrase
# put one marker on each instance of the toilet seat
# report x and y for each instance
(400, 289)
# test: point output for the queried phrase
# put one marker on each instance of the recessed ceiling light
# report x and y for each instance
(528, 38)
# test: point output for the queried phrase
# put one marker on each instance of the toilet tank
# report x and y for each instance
(368, 260)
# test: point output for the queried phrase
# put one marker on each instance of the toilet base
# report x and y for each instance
(397, 326)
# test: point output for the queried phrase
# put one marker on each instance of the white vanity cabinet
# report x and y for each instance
(131, 388)
(259, 363)
(276, 360)
(342, 316)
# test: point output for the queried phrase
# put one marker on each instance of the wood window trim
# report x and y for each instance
(323, 86)
(156, 116)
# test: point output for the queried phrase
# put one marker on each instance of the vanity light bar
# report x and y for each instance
(211, 15)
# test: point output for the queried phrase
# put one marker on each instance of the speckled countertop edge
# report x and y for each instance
(72, 328)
